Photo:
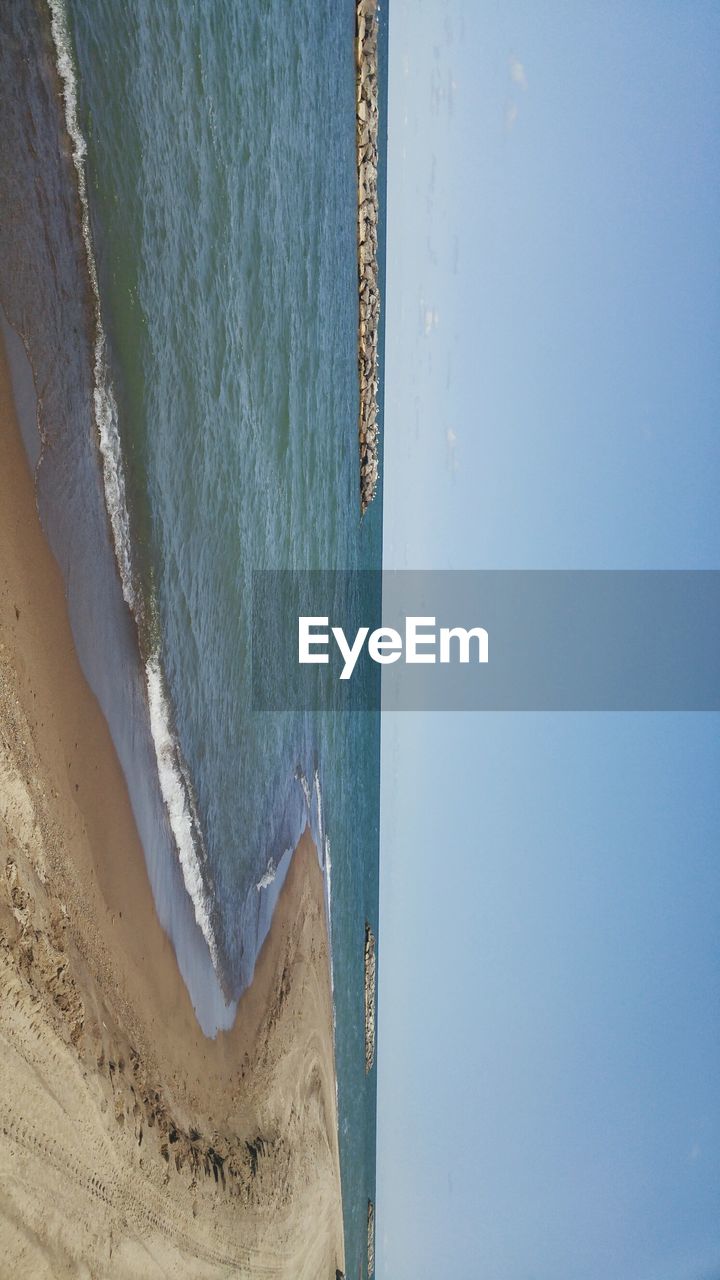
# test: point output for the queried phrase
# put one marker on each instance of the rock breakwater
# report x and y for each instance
(368, 218)
(371, 1239)
(369, 998)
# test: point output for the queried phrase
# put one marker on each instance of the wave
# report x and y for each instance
(268, 878)
(106, 414)
(319, 809)
(173, 774)
(301, 778)
(179, 801)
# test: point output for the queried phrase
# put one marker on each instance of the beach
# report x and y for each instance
(130, 1143)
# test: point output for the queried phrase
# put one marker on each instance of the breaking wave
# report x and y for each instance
(106, 415)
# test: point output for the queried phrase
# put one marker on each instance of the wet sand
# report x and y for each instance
(130, 1144)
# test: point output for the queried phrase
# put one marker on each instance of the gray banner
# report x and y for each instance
(555, 640)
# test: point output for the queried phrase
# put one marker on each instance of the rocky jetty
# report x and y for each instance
(371, 1239)
(369, 998)
(368, 217)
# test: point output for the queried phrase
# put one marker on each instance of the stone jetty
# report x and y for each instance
(371, 1239)
(369, 998)
(368, 218)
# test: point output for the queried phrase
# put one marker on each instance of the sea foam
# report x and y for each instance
(179, 801)
(106, 415)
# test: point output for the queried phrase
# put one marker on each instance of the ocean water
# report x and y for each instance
(193, 300)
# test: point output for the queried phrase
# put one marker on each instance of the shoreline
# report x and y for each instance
(158, 777)
(172, 773)
(57, 347)
(200, 1149)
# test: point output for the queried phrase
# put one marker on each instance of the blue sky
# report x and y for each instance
(549, 1039)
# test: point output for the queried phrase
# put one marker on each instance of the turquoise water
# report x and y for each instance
(221, 200)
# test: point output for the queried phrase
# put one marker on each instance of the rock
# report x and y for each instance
(366, 53)
(370, 1239)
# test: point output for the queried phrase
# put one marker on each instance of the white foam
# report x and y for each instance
(319, 804)
(267, 879)
(106, 415)
(305, 787)
(177, 798)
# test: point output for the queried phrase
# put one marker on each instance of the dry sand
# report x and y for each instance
(131, 1145)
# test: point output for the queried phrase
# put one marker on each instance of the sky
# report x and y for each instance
(549, 973)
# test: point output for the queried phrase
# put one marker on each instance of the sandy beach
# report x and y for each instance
(130, 1144)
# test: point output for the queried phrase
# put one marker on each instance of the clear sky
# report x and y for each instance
(549, 1018)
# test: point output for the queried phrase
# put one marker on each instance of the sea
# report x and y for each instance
(179, 293)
